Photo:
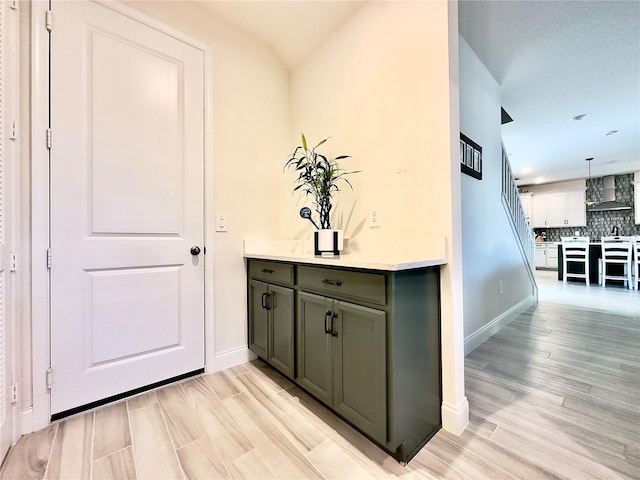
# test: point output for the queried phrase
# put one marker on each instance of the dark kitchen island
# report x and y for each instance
(595, 254)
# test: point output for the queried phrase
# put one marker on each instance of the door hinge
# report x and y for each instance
(14, 131)
(49, 138)
(14, 393)
(49, 258)
(49, 378)
(13, 264)
(49, 20)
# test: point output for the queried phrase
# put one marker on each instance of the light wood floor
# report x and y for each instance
(555, 394)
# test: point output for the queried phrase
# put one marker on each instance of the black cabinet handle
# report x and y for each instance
(327, 316)
(265, 301)
(334, 333)
(326, 281)
(266, 270)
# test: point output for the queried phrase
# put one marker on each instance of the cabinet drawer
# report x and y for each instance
(271, 272)
(368, 287)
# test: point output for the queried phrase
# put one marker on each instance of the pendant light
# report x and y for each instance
(589, 201)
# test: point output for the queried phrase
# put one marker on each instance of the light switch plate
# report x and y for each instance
(221, 222)
(374, 219)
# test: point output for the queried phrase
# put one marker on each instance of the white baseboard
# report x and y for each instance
(482, 334)
(455, 418)
(231, 358)
(26, 421)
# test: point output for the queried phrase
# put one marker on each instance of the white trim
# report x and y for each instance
(39, 215)
(232, 357)
(40, 198)
(209, 219)
(26, 421)
(478, 337)
(455, 418)
(454, 409)
(13, 280)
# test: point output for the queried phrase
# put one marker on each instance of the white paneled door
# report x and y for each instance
(127, 228)
(8, 258)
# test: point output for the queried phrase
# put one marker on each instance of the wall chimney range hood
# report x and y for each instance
(609, 202)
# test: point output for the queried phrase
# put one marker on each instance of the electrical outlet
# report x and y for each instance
(500, 287)
(374, 219)
(221, 222)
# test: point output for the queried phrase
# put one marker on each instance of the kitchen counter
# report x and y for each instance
(407, 255)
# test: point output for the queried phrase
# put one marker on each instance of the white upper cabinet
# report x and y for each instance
(525, 199)
(576, 209)
(556, 209)
(559, 209)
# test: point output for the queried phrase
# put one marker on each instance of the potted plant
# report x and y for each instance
(319, 177)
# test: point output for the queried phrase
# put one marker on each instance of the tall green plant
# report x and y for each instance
(318, 177)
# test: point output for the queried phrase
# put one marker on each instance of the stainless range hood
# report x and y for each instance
(609, 202)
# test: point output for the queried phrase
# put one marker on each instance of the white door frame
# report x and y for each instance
(10, 62)
(40, 299)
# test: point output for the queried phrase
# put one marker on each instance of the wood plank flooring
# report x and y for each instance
(555, 394)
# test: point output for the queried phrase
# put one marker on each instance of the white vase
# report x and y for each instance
(328, 241)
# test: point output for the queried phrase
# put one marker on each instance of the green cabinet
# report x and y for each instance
(366, 343)
(314, 346)
(271, 324)
(342, 359)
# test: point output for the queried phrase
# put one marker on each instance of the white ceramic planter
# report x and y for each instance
(328, 241)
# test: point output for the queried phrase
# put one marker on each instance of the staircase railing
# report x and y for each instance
(519, 222)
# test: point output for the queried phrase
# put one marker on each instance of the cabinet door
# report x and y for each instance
(541, 257)
(576, 210)
(539, 207)
(258, 319)
(552, 256)
(280, 352)
(556, 210)
(359, 368)
(314, 345)
(525, 199)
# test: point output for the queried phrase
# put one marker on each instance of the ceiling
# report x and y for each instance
(553, 60)
(292, 28)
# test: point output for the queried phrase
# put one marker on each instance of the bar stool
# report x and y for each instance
(575, 250)
(616, 251)
(636, 261)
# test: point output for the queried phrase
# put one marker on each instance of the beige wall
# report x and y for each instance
(379, 87)
(384, 86)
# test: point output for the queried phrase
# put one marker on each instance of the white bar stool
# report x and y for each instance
(635, 247)
(575, 250)
(616, 251)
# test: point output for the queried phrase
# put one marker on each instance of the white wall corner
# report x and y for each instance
(478, 337)
(231, 358)
(455, 418)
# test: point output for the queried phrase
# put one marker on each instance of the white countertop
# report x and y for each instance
(406, 257)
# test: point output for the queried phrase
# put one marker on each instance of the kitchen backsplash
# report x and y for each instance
(600, 224)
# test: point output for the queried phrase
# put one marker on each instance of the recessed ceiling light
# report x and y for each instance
(611, 132)
(577, 118)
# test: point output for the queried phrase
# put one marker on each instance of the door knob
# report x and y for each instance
(195, 250)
